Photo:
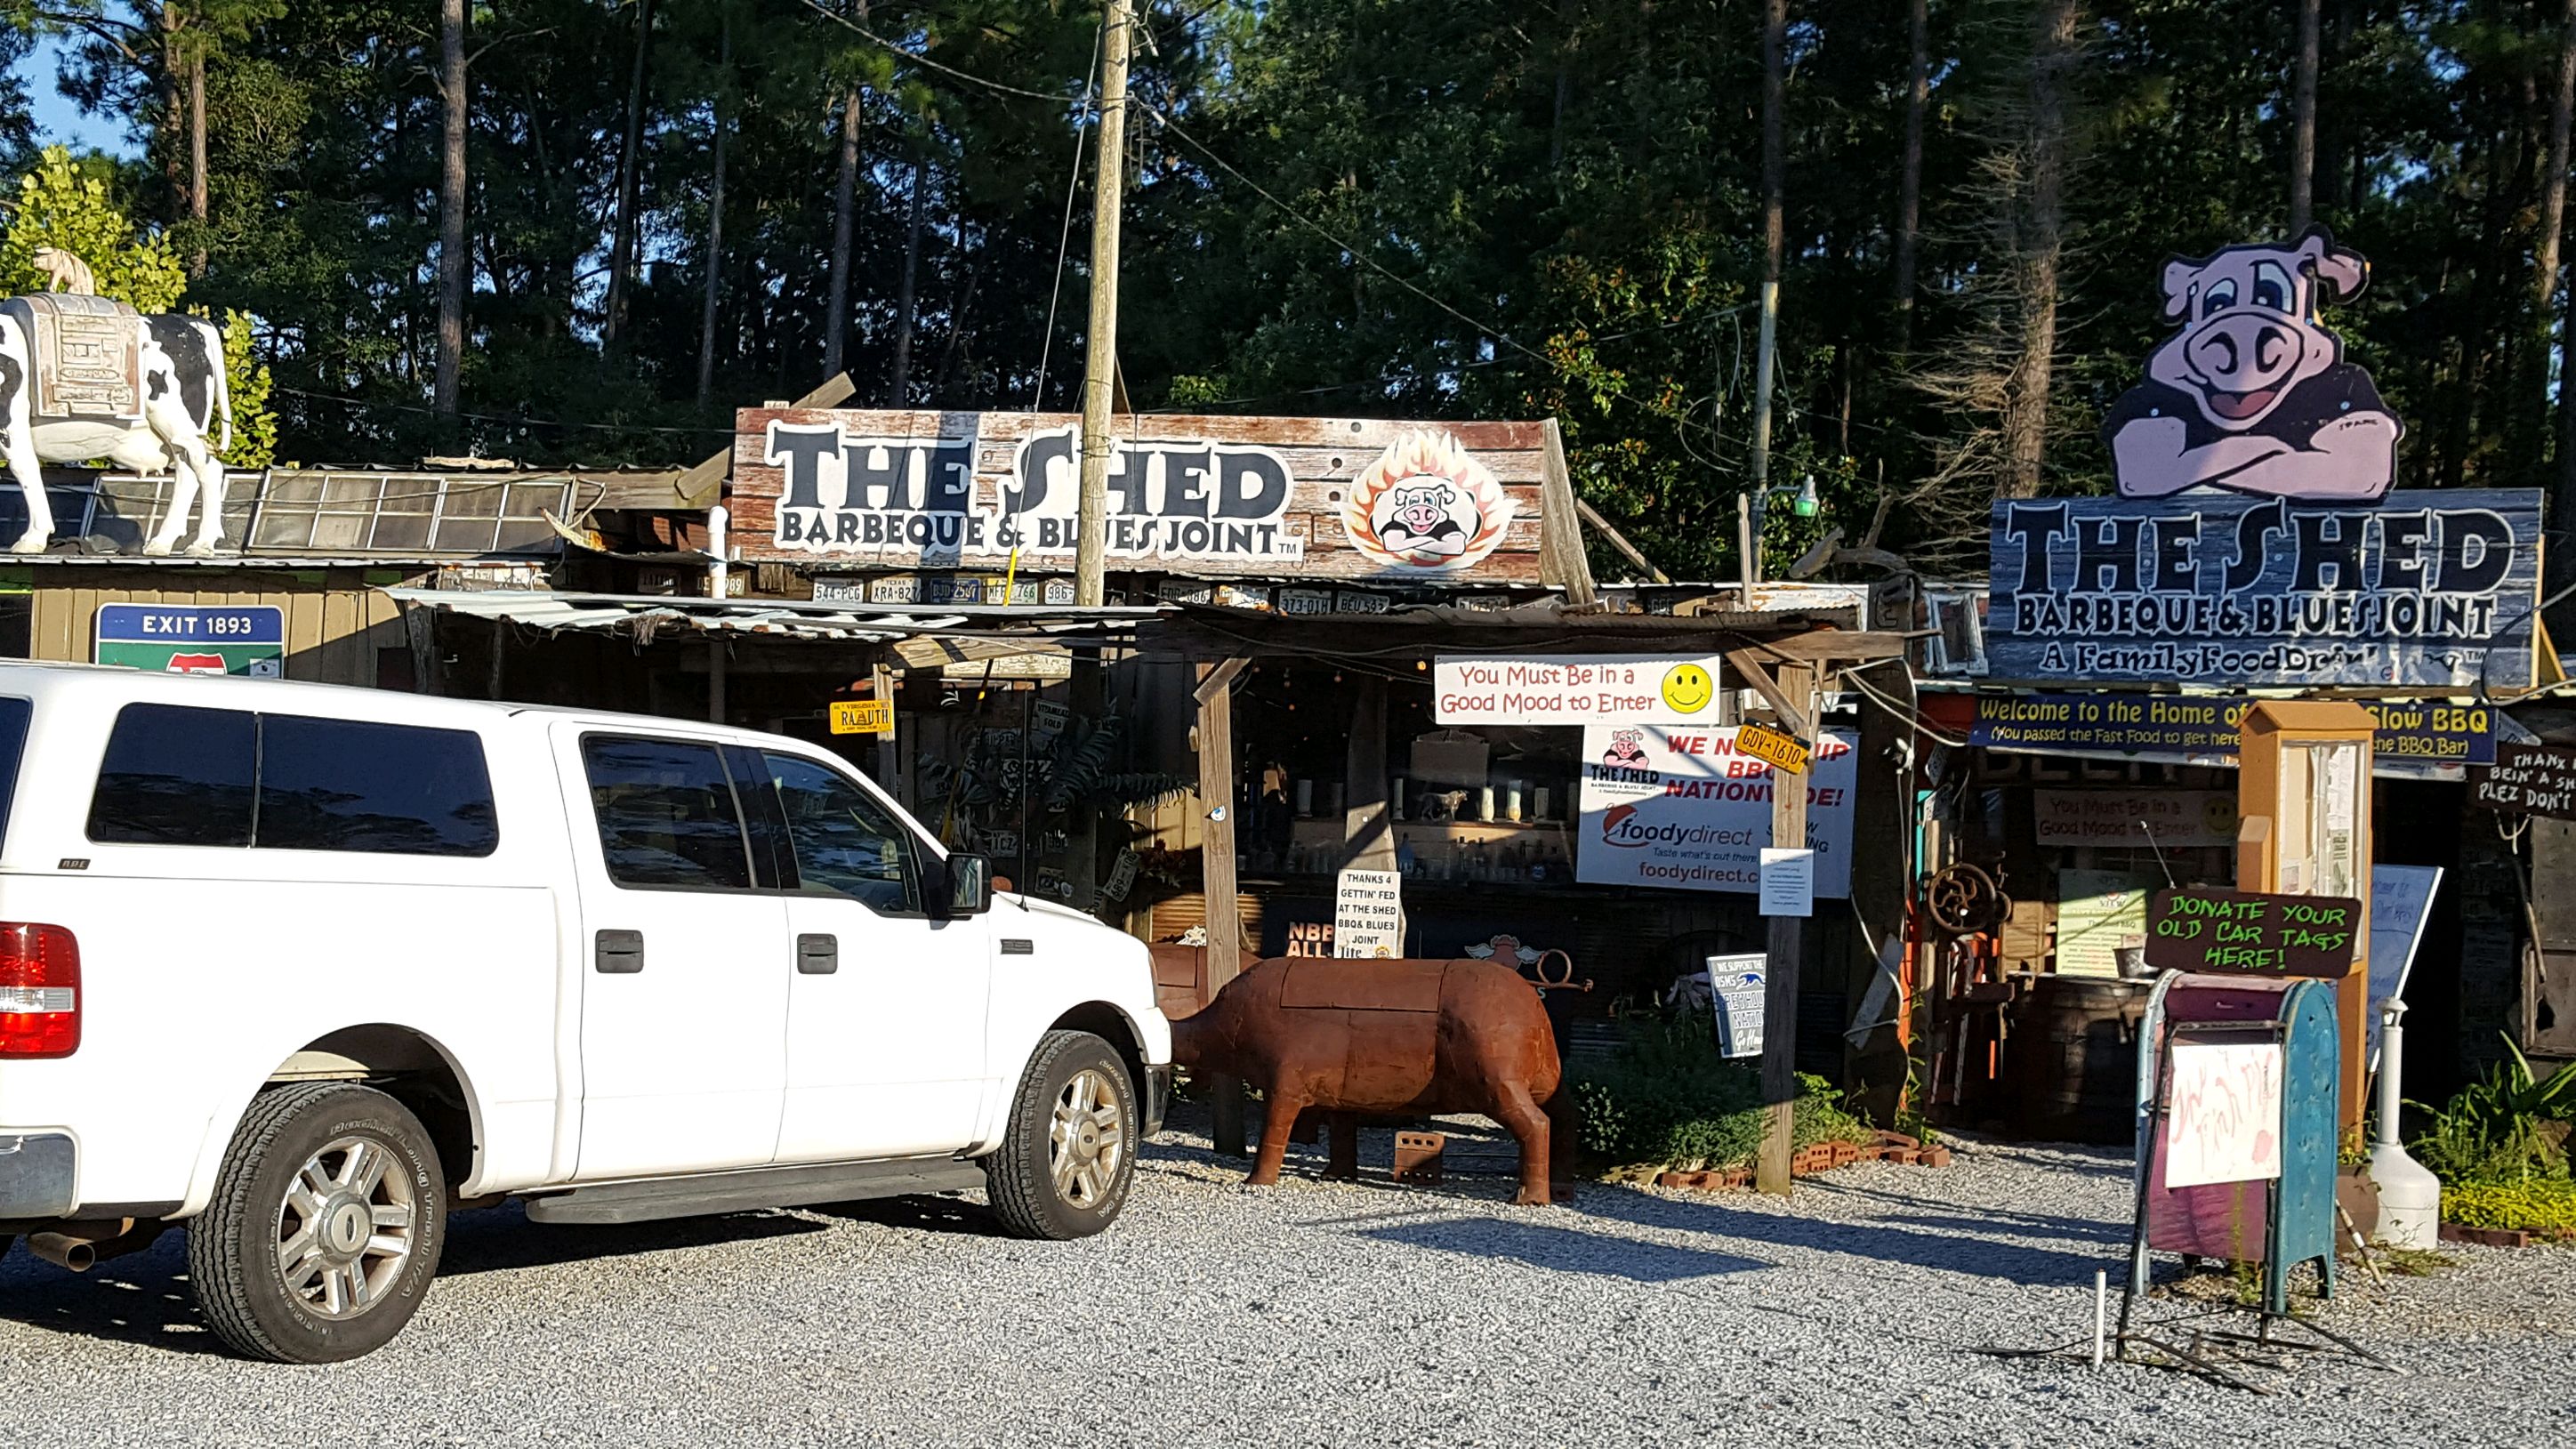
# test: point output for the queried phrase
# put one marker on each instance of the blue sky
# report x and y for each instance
(58, 121)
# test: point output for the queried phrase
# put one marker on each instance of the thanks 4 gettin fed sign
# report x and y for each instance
(1206, 496)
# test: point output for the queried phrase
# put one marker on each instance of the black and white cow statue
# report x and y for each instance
(143, 392)
(2253, 393)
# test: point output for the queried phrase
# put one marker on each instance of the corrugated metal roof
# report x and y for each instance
(554, 610)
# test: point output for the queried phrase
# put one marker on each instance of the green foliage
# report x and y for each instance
(2509, 1125)
(2543, 1205)
(254, 421)
(1667, 1098)
(66, 204)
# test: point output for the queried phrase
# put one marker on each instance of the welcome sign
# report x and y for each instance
(1206, 496)
(2427, 589)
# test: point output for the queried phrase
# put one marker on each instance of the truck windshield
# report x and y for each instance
(14, 714)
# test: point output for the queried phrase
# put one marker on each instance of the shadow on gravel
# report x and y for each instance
(954, 1216)
(501, 1239)
(142, 1299)
(1961, 1250)
(1562, 1250)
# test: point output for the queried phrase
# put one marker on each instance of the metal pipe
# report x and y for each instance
(63, 1252)
(720, 567)
(76, 1245)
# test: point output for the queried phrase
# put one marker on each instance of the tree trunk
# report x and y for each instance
(2545, 254)
(174, 119)
(452, 255)
(845, 198)
(1909, 190)
(621, 252)
(899, 389)
(2303, 122)
(197, 154)
(715, 217)
(2025, 422)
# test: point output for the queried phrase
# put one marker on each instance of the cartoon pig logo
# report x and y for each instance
(2252, 393)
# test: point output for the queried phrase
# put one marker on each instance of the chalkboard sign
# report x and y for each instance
(2530, 780)
(2245, 933)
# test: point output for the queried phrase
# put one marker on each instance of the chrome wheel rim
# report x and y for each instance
(1087, 1141)
(346, 1228)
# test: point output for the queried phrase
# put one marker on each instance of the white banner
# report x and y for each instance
(1676, 806)
(1577, 689)
(2223, 1114)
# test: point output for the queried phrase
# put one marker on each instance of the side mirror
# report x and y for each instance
(970, 885)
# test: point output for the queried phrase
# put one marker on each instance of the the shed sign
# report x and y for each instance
(2434, 588)
(1213, 497)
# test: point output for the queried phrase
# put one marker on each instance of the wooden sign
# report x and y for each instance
(2529, 780)
(863, 717)
(1778, 747)
(2247, 933)
(1211, 497)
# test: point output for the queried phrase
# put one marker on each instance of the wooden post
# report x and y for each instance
(1100, 340)
(881, 686)
(1215, 695)
(1788, 941)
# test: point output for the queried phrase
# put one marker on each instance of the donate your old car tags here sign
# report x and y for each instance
(2249, 933)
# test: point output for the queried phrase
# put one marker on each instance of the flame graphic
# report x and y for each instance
(1417, 455)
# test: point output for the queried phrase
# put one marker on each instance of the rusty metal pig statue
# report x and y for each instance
(1382, 1036)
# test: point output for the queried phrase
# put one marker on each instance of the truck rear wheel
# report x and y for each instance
(325, 1226)
(1069, 1150)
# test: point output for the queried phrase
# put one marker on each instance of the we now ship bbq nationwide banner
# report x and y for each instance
(2430, 589)
(1209, 497)
(1678, 806)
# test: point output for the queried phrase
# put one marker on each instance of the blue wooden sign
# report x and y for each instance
(2426, 589)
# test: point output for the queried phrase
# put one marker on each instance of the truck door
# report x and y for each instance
(684, 1000)
(885, 1015)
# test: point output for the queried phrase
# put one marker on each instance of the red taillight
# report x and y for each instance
(39, 991)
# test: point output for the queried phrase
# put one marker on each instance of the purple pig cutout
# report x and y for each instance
(2253, 394)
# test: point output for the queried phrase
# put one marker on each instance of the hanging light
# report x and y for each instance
(1805, 504)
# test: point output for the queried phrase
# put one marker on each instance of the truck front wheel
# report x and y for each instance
(325, 1225)
(1069, 1150)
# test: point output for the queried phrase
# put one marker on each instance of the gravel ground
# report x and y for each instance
(1310, 1314)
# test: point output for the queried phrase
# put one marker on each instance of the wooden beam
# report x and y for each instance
(1561, 560)
(1783, 700)
(1787, 944)
(703, 484)
(1216, 870)
(1619, 541)
(1368, 824)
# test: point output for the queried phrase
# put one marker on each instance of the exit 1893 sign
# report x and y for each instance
(2249, 933)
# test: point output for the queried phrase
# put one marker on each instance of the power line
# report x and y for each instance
(872, 38)
(363, 405)
(1064, 242)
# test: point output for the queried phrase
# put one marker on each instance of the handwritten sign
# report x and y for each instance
(2247, 933)
(2529, 780)
(2100, 915)
(1368, 913)
(1767, 744)
(2223, 1113)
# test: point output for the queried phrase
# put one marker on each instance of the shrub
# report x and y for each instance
(1668, 1099)
(2543, 1205)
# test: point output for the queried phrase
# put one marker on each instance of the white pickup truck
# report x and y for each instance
(306, 967)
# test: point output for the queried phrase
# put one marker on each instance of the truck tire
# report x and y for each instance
(1068, 1152)
(325, 1226)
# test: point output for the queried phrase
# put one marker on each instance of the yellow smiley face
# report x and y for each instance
(1688, 689)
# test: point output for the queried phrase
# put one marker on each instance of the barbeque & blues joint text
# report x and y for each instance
(1172, 499)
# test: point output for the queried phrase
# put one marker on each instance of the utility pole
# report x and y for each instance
(1100, 345)
(1775, 28)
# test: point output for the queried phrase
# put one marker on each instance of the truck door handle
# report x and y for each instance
(817, 954)
(618, 953)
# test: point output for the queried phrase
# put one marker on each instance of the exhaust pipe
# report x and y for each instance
(77, 1246)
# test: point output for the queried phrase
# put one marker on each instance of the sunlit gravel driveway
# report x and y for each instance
(1309, 1314)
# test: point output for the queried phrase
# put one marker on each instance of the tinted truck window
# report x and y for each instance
(667, 814)
(176, 776)
(336, 784)
(180, 776)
